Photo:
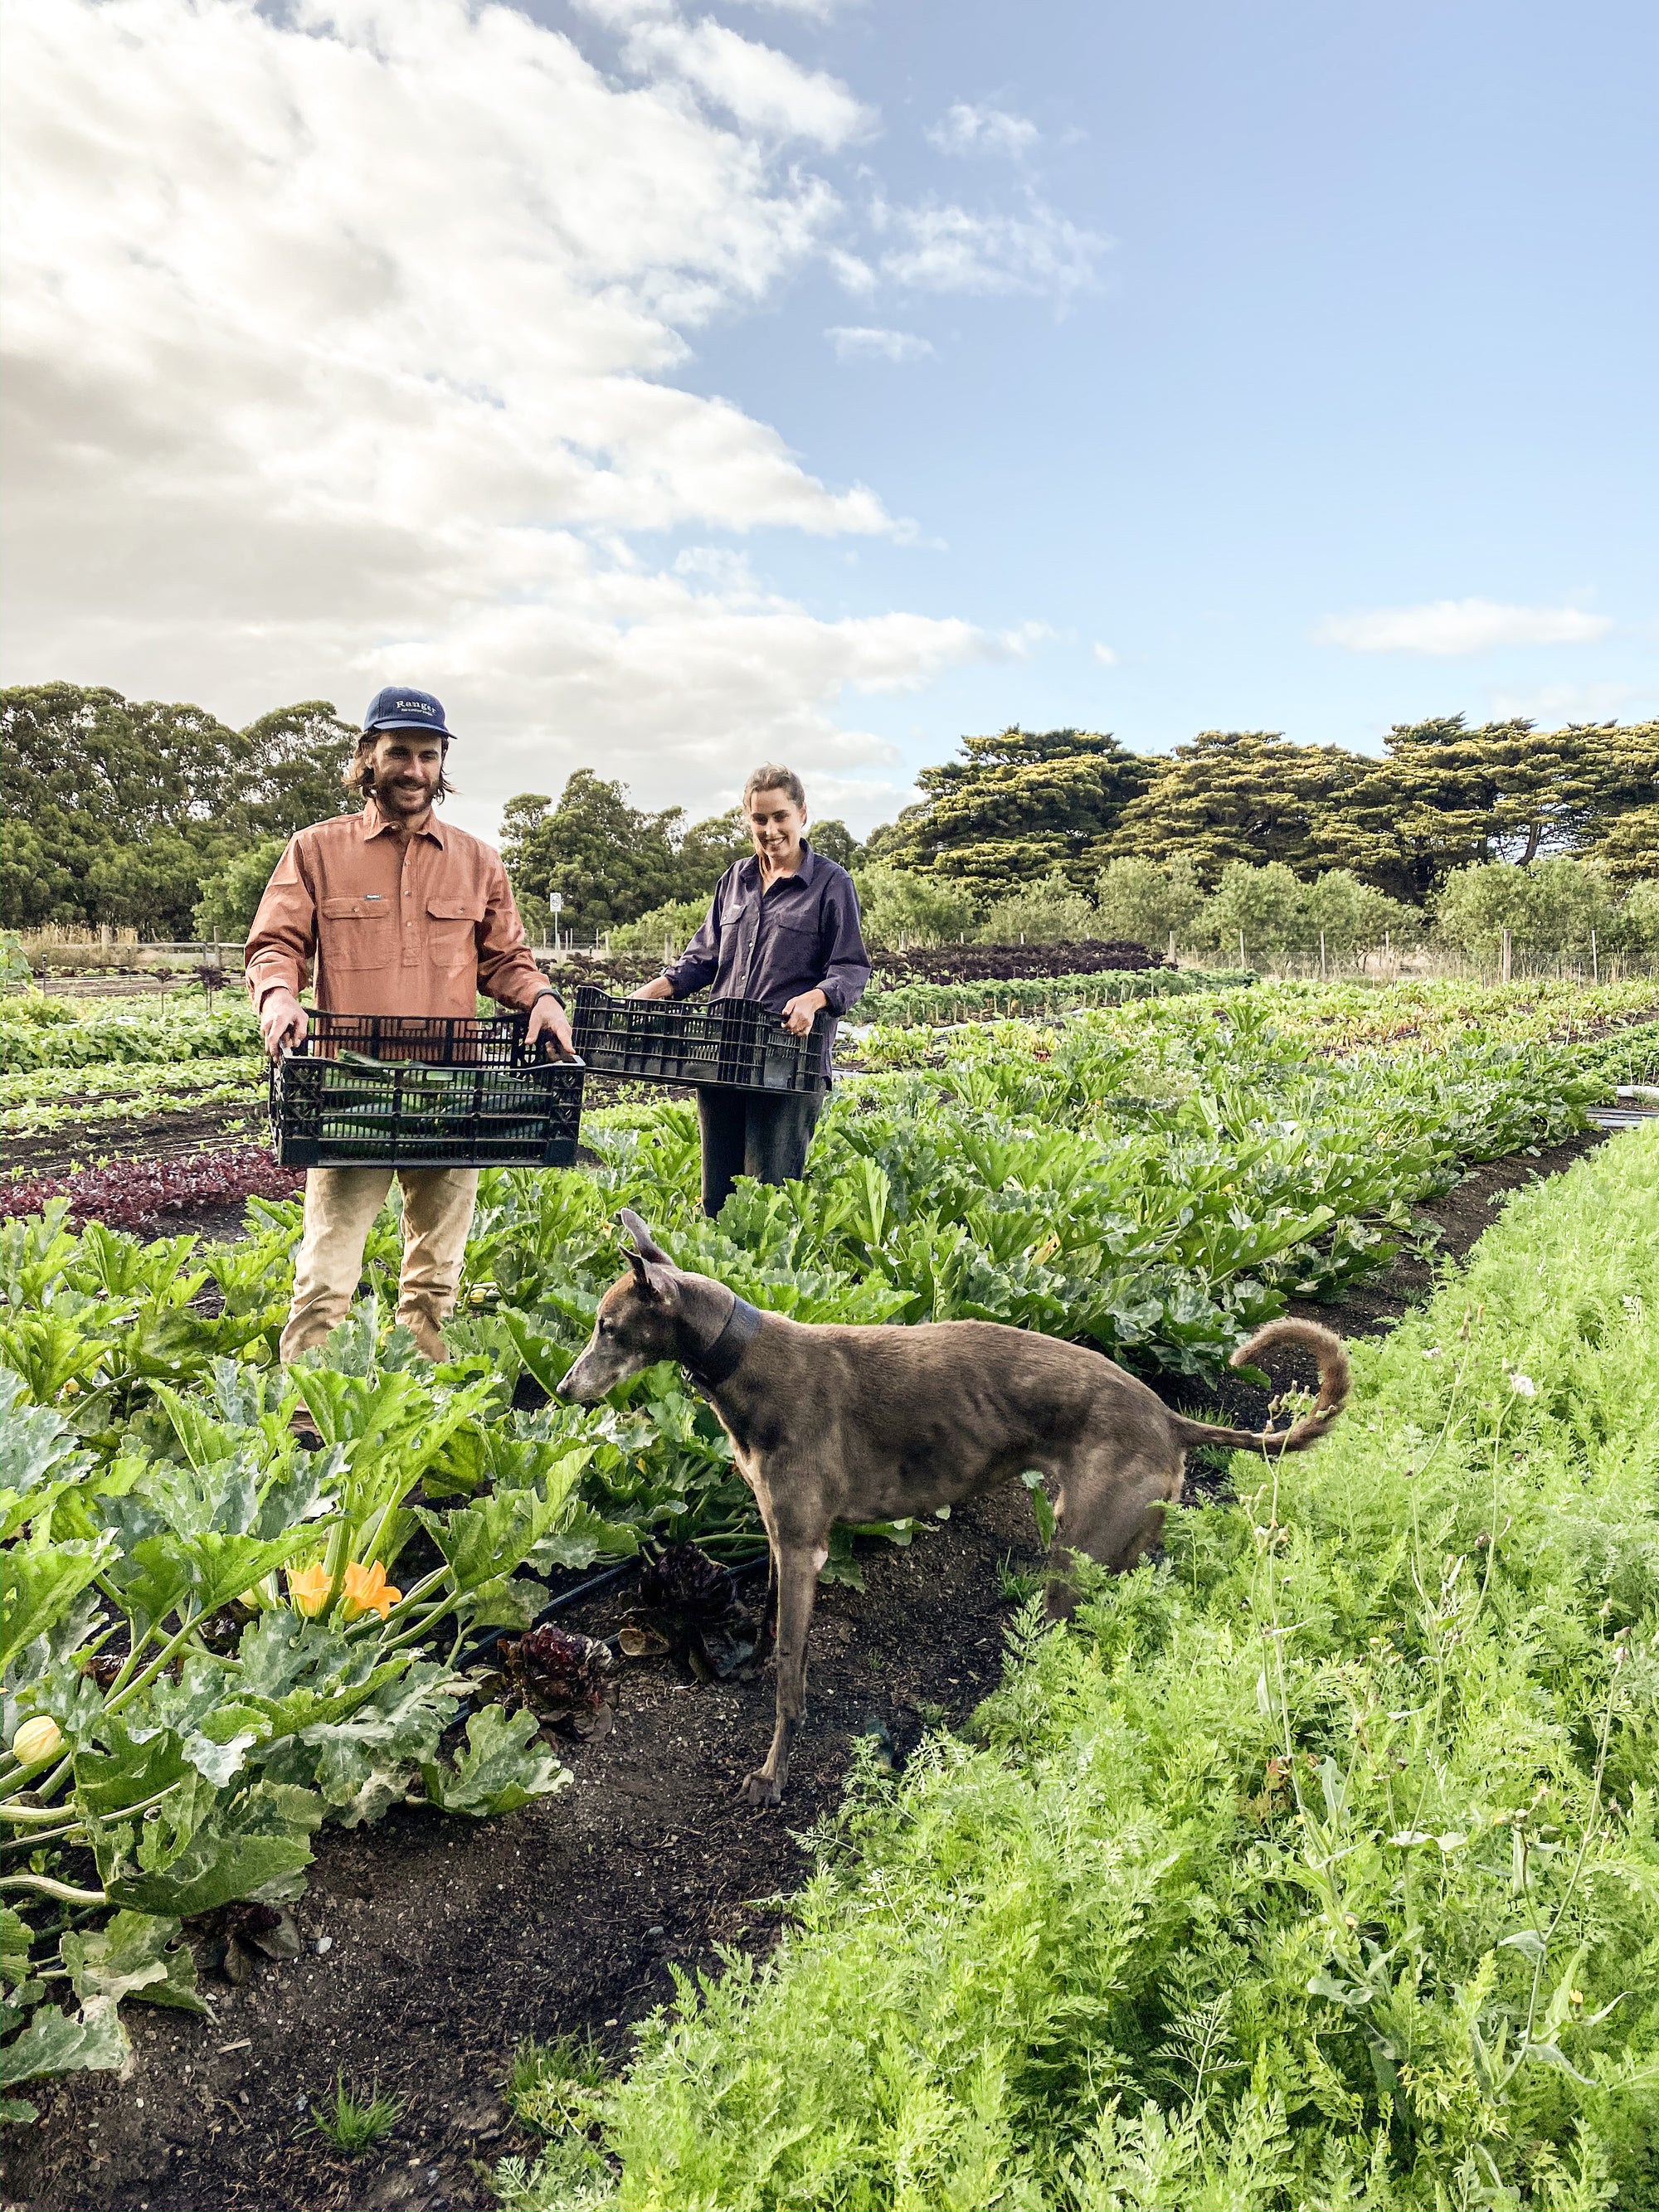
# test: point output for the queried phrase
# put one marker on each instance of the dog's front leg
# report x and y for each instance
(798, 1587)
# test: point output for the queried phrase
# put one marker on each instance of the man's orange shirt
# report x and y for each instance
(390, 928)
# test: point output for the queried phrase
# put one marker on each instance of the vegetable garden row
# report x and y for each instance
(214, 1641)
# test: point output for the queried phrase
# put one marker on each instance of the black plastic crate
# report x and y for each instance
(730, 1044)
(397, 1091)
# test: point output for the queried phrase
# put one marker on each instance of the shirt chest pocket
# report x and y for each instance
(733, 912)
(452, 931)
(357, 932)
(794, 940)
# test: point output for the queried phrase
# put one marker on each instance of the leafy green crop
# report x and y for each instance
(40, 1032)
(237, 1641)
(263, 1674)
(56, 1097)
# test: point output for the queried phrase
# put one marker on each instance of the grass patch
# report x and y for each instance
(355, 2126)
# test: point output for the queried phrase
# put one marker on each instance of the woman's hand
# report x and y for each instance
(798, 1013)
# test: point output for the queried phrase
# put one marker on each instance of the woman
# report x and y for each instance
(783, 929)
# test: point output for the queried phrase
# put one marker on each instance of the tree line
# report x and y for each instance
(158, 817)
(129, 812)
(1442, 796)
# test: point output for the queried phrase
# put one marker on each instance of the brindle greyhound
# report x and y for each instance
(835, 1424)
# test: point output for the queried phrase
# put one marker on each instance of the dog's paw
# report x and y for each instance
(761, 1788)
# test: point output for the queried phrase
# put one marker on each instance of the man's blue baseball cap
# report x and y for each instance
(398, 708)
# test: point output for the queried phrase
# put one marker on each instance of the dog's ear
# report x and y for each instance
(644, 1243)
(652, 1266)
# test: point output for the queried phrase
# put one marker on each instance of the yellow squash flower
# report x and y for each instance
(37, 1740)
(367, 1590)
(308, 1590)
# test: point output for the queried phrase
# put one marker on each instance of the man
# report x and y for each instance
(783, 929)
(392, 914)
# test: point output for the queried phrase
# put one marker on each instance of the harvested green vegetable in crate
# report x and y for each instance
(365, 1090)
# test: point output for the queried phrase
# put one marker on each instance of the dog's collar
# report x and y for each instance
(719, 1363)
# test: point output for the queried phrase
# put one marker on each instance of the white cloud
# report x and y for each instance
(1103, 654)
(857, 342)
(965, 129)
(757, 84)
(950, 249)
(1445, 627)
(300, 399)
(851, 273)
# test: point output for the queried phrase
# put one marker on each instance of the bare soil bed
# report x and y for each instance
(433, 1946)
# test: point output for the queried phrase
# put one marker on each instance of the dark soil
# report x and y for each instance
(434, 1945)
(166, 1137)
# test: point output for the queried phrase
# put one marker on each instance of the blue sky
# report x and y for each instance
(1278, 366)
(1376, 328)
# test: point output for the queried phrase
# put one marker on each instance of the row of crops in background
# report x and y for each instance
(985, 998)
(1325, 1019)
(214, 1641)
(104, 1063)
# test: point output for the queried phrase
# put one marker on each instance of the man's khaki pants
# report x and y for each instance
(341, 1204)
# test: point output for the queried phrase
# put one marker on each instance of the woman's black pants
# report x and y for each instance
(762, 1134)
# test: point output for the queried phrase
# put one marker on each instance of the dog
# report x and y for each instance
(831, 1424)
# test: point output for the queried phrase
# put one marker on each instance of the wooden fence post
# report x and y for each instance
(1505, 961)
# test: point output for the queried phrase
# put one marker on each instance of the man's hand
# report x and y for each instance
(282, 1021)
(798, 1014)
(548, 1019)
(657, 987)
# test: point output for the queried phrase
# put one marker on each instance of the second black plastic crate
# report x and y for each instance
(730, 1043)
(394, 1090)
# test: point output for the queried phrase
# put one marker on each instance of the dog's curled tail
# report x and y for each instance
(1334, 1384)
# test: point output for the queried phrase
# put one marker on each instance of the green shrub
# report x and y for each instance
(16, 974)
(1146, 904)
(900, 908)
(1052, 912)
(674, 924)
(231, 894)
(1551, 911)
(1277, 917)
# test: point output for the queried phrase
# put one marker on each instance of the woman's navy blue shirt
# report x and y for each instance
(801, 935)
